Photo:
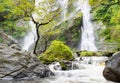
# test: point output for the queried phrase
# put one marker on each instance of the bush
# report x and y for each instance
(57, 51)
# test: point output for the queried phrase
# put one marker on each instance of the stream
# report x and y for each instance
(89, 70)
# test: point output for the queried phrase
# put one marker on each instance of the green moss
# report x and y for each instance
(99, 53)
(87, 53)
(56, 51)
(63, 65)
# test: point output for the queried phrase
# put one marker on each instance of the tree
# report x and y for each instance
(38, 24)
(11, 11)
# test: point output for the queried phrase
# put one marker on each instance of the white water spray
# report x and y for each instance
(87, 39)
(31, 37)
(86, 72)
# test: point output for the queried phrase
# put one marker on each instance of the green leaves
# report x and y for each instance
(108, 11)
(11, 11)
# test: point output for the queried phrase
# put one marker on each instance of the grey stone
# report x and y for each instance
(112, 68)
(17, 64)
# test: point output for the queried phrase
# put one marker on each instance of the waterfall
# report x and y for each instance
(87, 41)
(31, 37)
(87, 38)
(64, 6)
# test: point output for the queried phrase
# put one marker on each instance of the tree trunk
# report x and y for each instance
(38, 37)
(37, 30)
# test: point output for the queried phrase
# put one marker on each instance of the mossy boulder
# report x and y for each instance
(57, 51)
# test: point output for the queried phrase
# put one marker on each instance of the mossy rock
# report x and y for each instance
(57, 51)
(87, 53)
(99, 53)
(66, 65)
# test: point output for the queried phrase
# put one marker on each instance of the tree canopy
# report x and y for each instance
(11, 11)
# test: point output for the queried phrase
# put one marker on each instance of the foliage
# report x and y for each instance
(108, 11)
(15, 9)
(107, 33)
(57, 51)
(11, 11)
(116, 34)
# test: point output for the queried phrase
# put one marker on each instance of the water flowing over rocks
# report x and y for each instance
(17, 64)
(112, 69)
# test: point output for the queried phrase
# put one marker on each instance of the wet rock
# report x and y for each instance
(66, 65)
(112, 69)
(15, 46)
(17, 64)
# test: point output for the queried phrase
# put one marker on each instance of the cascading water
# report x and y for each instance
(87, 38)
(64, 6)
(31, 37)
(85, 73)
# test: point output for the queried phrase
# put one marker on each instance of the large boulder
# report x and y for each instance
(57, 51)
(17, 64)
(112, 69)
